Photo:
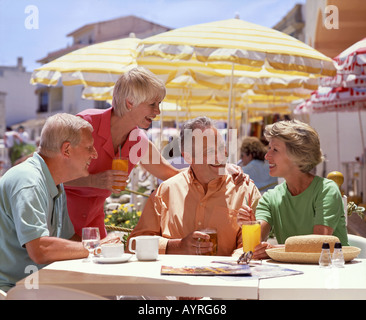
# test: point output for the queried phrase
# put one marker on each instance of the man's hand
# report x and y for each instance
(195, 243)
(110, 238)
(237, 174)
(260, 250)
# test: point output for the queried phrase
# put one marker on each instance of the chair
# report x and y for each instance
(2, 295)
(359, 242)
(50, 292)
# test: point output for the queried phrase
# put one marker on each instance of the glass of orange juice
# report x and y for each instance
(251, 233)
(121, 164)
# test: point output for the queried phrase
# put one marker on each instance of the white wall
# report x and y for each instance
(73, 102)
(312, 8)
(21, 100)
(349, 141)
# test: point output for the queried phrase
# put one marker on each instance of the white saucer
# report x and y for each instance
(124, 258)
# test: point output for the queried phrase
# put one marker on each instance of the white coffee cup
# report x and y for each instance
(146, 248)
(112, 250)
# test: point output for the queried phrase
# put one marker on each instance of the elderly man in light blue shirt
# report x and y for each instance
(35, 228)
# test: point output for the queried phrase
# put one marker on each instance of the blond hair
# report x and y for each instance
(137, 85)
(302, 142)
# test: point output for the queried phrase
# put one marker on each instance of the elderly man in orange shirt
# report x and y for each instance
(203, 196)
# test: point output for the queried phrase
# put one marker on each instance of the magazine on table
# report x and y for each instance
(230, 268)
(214, 270)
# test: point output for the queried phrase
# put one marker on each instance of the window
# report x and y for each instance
(43, 102)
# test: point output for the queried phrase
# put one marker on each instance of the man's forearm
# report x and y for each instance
(46, 250)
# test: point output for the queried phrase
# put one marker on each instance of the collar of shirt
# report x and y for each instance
(213, 185)
(55, 191)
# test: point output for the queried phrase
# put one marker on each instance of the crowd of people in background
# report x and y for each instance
(18, 145)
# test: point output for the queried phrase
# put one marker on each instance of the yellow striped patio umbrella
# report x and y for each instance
(202, 85)
(268, 96)
(226, 48)
(171, 111)
(184, 90)
(259, 83)
(98, 65)
(187, 99)
(233, 43)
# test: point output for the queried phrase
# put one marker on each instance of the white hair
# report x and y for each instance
(137, 85)
(60, 128)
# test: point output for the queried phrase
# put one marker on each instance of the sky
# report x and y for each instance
(20, 36)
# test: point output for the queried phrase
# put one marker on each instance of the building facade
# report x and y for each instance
(68, 99)
(19, 101)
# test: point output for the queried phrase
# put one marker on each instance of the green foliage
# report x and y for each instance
(21, 150)
(126, 216)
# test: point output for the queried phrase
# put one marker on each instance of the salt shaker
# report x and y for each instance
(325, 259)
(338, 258)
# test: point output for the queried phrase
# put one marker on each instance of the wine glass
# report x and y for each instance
(90, 239)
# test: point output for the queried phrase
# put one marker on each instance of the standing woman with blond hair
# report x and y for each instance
(136, 98)
(304, 203)
(117, 131)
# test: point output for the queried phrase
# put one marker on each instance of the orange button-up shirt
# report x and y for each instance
(180, 206)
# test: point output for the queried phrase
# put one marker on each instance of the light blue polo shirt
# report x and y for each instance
(31, 206)
(258, 171)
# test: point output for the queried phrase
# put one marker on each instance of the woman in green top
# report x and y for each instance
(304, 203)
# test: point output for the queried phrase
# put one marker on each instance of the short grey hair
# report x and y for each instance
(60, 128)
(188, 128)
(137, 85)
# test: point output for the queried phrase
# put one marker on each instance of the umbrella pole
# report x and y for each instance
(161, 129)
(246, 113)
(246, 120)
(177, 115)
(229, 107)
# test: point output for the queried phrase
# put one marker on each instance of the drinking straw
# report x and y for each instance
(119, 151)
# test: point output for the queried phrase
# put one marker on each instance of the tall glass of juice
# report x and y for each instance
(120, 164)
(251, 233)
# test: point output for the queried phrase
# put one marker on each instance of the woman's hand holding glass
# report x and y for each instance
(108, 179)
(245, 213)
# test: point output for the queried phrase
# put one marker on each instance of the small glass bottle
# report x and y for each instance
(325, 260)
(338, 258)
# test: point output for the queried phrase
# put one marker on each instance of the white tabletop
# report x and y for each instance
(317, 283)
(143, 278)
